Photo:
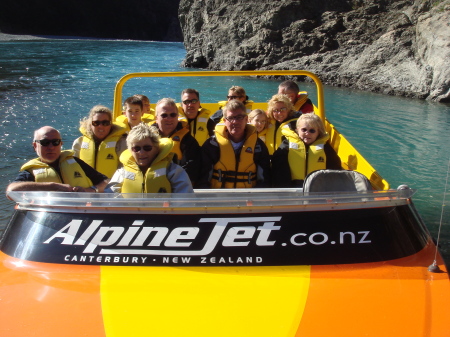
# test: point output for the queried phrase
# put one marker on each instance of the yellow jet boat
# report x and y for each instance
(346, 261)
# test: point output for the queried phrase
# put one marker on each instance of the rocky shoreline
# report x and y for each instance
(390, 47)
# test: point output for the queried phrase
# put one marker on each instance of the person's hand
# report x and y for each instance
(63, 187)
(78, 189)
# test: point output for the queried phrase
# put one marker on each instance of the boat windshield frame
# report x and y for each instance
(209, 201)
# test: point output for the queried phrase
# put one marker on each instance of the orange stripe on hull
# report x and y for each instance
(391, 298)
(51, 300)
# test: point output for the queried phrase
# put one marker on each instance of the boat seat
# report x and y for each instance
(336, 181)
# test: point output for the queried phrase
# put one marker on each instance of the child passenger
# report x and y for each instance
(259, 119)
(133, 113)
(303, 151)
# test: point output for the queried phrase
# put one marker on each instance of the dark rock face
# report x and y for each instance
(391, 47)
(155, 20)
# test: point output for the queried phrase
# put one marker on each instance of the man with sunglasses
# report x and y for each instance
(185, 145)
(200, 125)
(56, 170)
(234, 157)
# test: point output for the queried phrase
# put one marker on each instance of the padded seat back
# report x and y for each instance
(336, 181)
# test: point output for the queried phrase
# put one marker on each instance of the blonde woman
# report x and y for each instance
(258, 118)
(282, 117)
(101, 142)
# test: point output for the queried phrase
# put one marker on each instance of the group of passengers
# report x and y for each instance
(176, 147)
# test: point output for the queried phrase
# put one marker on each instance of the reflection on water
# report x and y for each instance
(57, 82)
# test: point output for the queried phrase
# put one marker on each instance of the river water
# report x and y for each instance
(56, 82)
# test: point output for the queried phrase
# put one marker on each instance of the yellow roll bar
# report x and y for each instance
(117, 108)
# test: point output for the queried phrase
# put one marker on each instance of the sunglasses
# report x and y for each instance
(310, 130)
(171, 115)
(146, 148)
(104, 123)
(190, 101)
(46, 142)
(234, 97)
(235, 118)
(279, 110)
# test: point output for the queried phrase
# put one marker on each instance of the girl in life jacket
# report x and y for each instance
(260, 121)
(148, 165)
(303, 151)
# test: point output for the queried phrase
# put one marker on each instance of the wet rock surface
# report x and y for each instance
(391, 47)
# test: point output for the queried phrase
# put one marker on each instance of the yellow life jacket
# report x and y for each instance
(303, 160)
(70, 170)
(229, 174)
(248, 106)
(262, 135)
(122, 121)
(274, 137)
(201, 130)
(302, 97)
(105, 160)
(155, 179)
(177, 137)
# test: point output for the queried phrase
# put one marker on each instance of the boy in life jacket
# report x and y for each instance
(56, 170)
(299, 99)
(200, 125)
(234, 157)
(303, 151)
(185, 146)
(133, 113)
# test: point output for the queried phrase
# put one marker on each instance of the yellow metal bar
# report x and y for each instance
(117, 109)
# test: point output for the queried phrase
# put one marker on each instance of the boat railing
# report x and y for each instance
(208, 201)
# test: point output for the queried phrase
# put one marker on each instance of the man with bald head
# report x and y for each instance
(56, 170)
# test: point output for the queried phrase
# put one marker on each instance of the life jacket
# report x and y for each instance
(200, 132)
(305, 159)
(248, 106)
(122, 121)
(105, 160)
(302, 98)
(274, 136)
(262, 135)
(181, 130)
(228, 172)
(155, 179)
(71, 172)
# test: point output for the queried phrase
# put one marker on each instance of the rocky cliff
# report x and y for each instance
(387, 46)
(155, 20)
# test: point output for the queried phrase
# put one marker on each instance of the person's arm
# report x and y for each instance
(281, 172)
(116, 182)
(99, 180)
(179, 179)
(25, 182)
(262, 161)
(192, 157)
(76, 146)
(210, 156)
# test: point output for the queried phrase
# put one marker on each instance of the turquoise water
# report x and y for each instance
(56, 83)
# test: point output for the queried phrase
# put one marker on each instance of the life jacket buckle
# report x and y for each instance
(250, 178)
(219, 173)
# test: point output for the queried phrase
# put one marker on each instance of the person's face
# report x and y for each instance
(50, 153)
(235, 122)
(144, 152)
(167, 119)
(233, 95)
(190, 104)
(307, 133)
(280, 112)
(259, 122)
(146, 105)
(133, 113)
(101, 131)
(291, 94)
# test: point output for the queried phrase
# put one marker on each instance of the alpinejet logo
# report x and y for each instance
(131, 240)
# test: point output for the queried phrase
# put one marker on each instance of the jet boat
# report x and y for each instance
(343, 256)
